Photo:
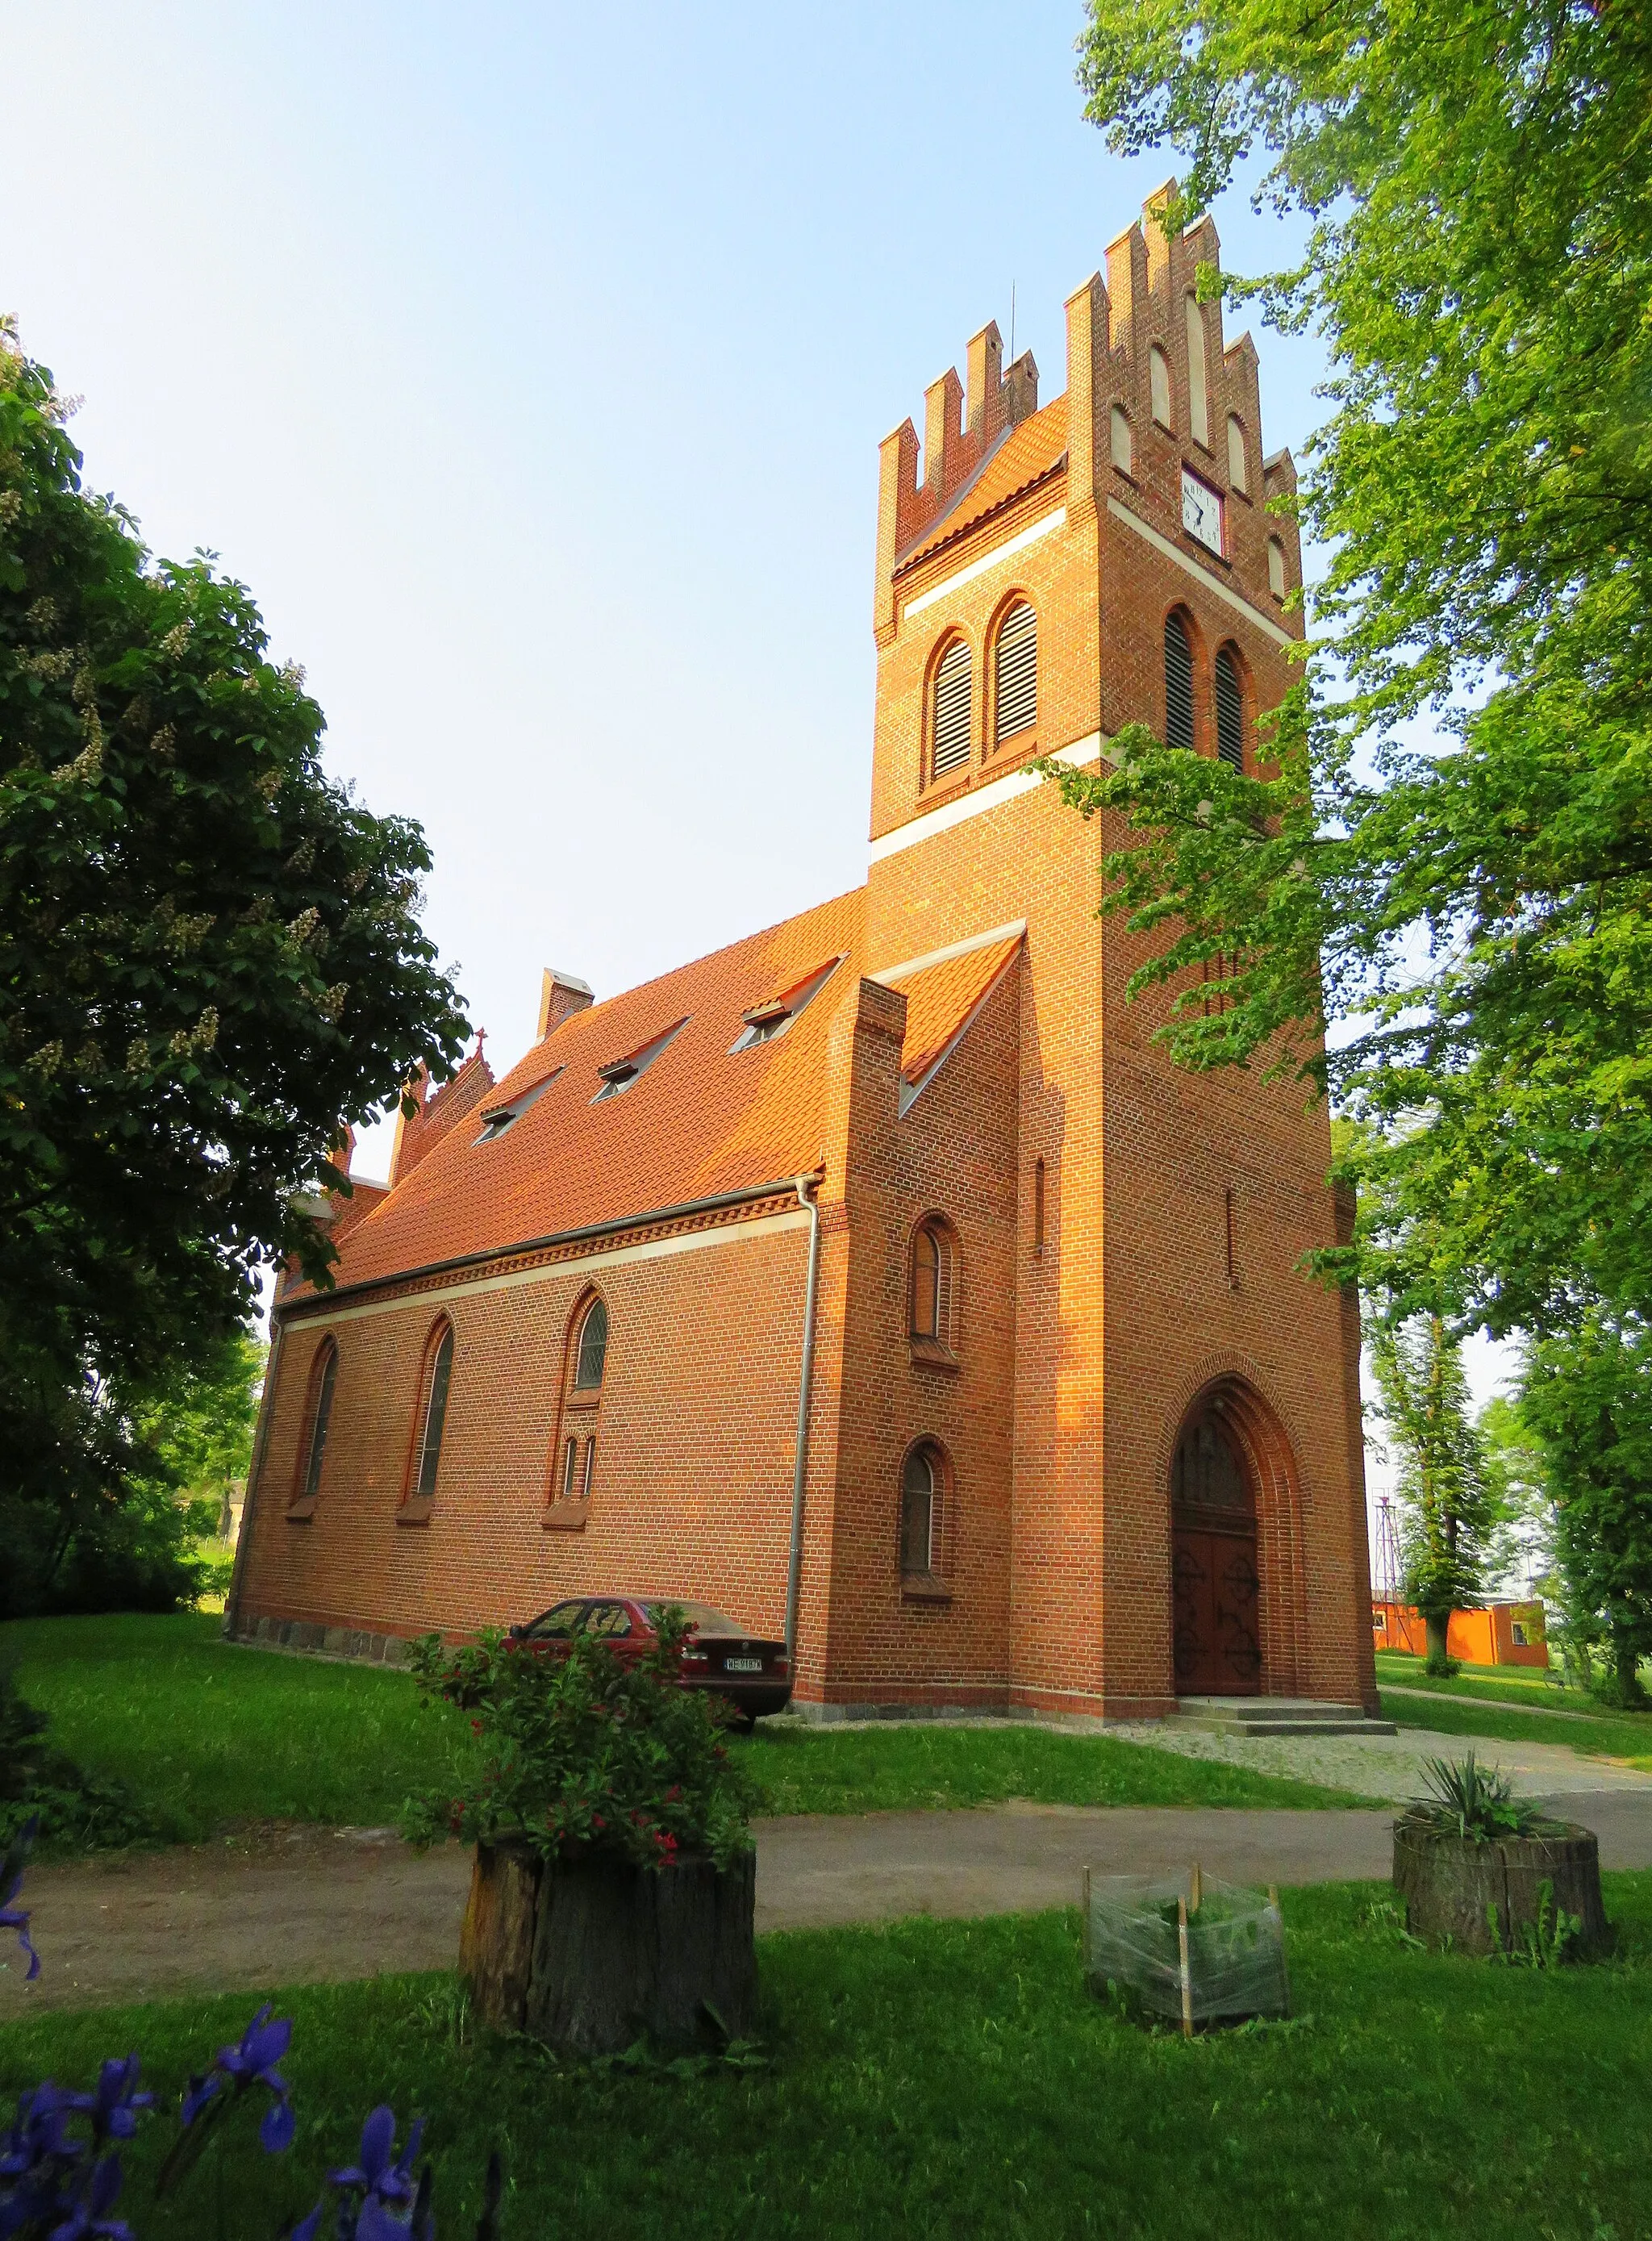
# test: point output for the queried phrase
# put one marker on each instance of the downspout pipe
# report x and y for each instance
(806, 1187)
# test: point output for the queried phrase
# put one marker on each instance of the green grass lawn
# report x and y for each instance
(938, 2079)
(1460, 1709)
(209, 1735)
(1521, 1684)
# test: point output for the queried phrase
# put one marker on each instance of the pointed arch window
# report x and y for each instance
(590, 1358)
(951, 720)
(1179, 701)
(435, 1385)
(1230, 711)
(918, 1506)
(318, 1423)
(1016, 673)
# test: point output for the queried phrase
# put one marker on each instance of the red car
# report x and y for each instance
(754, 1674)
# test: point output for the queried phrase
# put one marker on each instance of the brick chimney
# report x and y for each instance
(561, 994)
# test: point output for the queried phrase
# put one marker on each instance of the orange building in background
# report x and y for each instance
(877, 1277)
(1500, 1633)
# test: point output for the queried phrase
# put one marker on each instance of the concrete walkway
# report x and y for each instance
(310, 1906)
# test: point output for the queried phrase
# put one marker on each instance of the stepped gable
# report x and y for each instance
(1024, 458)
(418, 1135)
(697, 1121)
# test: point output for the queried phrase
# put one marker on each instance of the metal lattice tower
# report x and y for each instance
(1385, 1571)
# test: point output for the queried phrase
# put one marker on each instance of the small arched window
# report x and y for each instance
(1238, 472)
(591, 1356)
(1230, 711)
(1198, 405)
(1276, 567)
(950, 718)
(1158, 385)
(1179, 716)
(1119, 433)
(920, 1513)
(438, 1374)
(324, 1380)
(934, 1283)
(1016, 673)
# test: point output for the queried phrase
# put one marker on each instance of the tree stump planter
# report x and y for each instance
(592, 1957)
(1452, 1887)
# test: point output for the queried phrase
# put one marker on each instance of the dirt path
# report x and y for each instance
(307, 1906)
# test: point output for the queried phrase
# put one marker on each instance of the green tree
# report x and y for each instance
(1447, 1509)
(1586, 1394)
(1475, 189)
(210, 960)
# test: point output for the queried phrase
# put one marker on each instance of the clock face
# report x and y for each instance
(1200, 512)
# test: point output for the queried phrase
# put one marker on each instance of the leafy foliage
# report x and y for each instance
(209, 953)
(1586, 1392)
(585, 1752)
(1447, 1502)
(42, 1787)
(1477, 190)
(127, 1537)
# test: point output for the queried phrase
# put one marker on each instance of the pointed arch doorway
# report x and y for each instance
(1215, 1577)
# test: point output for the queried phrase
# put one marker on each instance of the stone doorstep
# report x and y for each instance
(1280, 1715)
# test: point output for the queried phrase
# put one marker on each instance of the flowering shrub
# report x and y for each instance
(585, 1752)
(60, 2167)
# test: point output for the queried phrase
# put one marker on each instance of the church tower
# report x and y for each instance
(1187, 1509)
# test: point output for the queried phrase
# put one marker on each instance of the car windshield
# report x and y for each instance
(561, 1620)
(707, 1619)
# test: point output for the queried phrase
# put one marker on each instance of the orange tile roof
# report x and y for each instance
(942, 998)
(695, 1123)
(1026, 456)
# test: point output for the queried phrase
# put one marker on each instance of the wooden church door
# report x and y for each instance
(1216, 1590)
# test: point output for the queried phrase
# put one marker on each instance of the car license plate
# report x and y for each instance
(742, 1665)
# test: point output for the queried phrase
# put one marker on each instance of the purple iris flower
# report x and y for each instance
(252, 2063)
(385, 2181)
(37, 2158)
(113, 2108)
(17, 1917)
(87, 2219)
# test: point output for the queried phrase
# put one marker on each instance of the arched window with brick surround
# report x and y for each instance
(317, 1424)
(951, 710)
(1179, 698)
(926, 1500)
(934, 1297)
(435, 1383)
(574, 1465)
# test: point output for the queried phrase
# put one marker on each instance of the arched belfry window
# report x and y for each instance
(591, 1357)
(952, 710)
(1230, 711)
(434, 1387)
(1016, 673)
(934, 1284)
(313, 1448)
(1179, 705)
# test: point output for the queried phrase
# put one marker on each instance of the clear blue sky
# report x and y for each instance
(530, 364)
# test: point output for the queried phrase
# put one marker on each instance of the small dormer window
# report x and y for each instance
(496, 1119)
(767, 1021)
(619, 1076)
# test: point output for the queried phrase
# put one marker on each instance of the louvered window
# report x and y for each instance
(1178, 684)
(1230, 711)
(1016, 688)
(951, 710)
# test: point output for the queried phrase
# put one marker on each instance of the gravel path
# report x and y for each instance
(1390, 1766)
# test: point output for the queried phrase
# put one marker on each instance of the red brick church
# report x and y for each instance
(882, 1264)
